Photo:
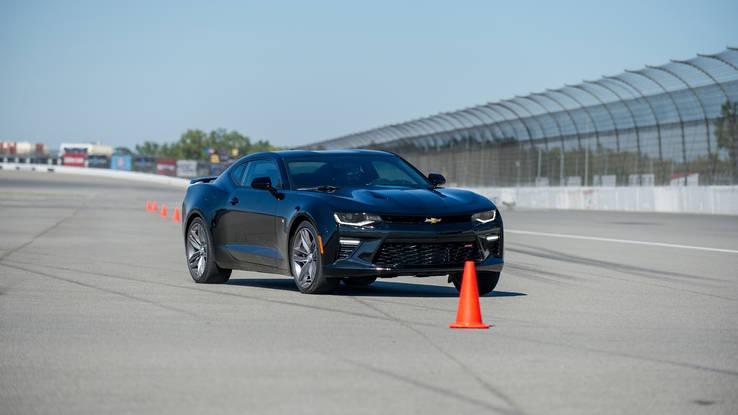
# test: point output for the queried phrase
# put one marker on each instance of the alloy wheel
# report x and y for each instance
(304, 254)
(197, 249)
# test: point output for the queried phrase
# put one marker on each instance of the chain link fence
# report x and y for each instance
(517, 163)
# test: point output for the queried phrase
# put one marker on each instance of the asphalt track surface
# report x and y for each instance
(99, 315)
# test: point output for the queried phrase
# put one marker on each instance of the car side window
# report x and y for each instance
(237, 173)
(262, 168)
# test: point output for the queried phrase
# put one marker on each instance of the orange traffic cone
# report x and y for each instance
(176, 216)
(164, 211)
(154, 206)
(469, 315)
(148, 206)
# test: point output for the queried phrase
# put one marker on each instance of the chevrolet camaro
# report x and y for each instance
(324, 217)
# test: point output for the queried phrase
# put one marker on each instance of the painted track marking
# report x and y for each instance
(622, 241)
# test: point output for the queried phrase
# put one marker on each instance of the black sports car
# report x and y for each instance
(328, 216)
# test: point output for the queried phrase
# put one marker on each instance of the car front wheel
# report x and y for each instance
(486, 281)
(306, 262)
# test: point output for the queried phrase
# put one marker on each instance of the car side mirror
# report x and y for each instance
(262, 183)
(436, 179)
(265, 183)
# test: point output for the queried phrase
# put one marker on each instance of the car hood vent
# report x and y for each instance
(378, 195)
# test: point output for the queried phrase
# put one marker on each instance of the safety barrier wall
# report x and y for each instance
(115, 174)
(673, 199)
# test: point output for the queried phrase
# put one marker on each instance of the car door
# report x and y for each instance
(249, 220)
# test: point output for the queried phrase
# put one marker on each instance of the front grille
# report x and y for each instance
(421, 219)
(398, 254)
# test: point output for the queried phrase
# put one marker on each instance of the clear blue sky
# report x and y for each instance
(296, 72)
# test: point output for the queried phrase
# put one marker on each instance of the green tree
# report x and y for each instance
(169, 150)
(226, 141)
(263, 145)
(148, 148)
(193, 144)
(726, 131)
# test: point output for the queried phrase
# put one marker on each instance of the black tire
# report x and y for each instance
(210, 273)
(359, 282)
(486, 281)
(310, 284)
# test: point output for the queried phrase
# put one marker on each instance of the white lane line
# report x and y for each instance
(622, 241)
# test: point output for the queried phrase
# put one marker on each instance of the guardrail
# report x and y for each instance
(85, 171)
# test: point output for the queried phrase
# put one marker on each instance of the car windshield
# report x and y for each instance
(354, 171)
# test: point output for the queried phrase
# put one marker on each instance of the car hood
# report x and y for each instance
(409, 201)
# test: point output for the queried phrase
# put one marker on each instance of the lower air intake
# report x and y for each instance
(400, 254)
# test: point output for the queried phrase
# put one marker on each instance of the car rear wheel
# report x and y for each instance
(306, 262)
(486, 281)
(358, 282)
(200, 259)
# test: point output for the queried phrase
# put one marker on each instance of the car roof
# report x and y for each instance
(318, 153)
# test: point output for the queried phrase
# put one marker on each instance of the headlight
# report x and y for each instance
(356, 219)
(485, 217)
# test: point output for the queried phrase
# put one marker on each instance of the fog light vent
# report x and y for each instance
(347, 247)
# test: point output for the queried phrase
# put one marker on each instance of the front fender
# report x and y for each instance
(295, 208)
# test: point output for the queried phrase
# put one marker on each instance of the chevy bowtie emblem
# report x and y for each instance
(432, 220)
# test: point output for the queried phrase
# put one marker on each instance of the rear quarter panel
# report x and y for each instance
(205, 200)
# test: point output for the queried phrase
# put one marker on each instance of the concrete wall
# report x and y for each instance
(115, 174)
(673, 199)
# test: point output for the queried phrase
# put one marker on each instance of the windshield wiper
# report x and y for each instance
(323, 188)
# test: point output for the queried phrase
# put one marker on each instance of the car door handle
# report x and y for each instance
(234, 201)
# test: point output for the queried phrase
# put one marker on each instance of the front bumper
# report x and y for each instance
(360, 260)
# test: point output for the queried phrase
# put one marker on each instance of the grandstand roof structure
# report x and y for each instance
(653, 99)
